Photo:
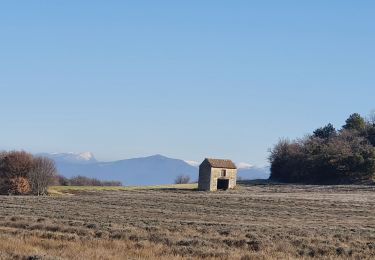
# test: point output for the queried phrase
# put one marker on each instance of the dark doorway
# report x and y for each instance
(222, 184)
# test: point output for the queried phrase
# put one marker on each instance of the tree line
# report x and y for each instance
(82, 181)
(328, 156)
(22, 173)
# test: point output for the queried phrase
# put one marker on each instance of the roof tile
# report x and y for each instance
(221, 163)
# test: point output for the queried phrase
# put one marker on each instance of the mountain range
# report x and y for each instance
(151, 170)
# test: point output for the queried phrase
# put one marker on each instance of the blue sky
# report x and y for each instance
(187, 79)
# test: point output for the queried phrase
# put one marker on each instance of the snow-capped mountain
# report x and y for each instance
(151, 170)
(193, 163)
(85, 157)
(247, 171)
(243, 165)
(253, 173)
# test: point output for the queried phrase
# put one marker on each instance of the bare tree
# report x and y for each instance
(41, 176)
(16, 164)
(182, 179)
(3, 177)
(87, 181)
(83, 181)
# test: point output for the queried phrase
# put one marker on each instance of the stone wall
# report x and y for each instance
(204, 177)
(231, 174)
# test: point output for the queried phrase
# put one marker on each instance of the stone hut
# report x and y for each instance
(217, 174)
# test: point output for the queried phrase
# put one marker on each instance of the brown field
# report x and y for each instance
(251, 222)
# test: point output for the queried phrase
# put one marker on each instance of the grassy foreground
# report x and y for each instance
(251, 222)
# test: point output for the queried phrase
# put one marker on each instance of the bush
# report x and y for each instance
(19, 186)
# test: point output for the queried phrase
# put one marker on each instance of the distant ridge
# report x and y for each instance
(151, 170)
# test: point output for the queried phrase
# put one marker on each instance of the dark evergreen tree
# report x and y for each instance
(355, 122)
(325, 132)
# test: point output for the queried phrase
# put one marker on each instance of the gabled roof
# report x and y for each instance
(220, 163)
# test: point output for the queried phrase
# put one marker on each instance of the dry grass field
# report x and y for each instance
(65, 189)
(251, 222)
